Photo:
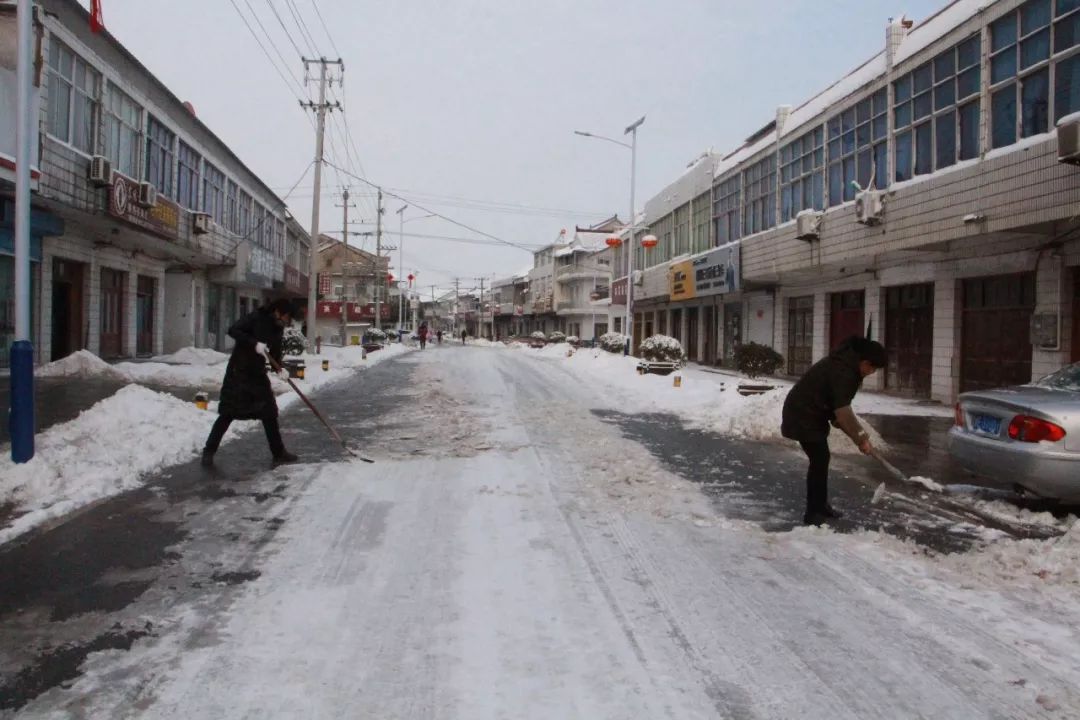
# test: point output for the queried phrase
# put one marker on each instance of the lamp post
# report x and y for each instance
(631, 130)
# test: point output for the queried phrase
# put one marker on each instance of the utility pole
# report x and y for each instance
(378, 264)
(480, 320)
(344, 279)
(457, 298)
(22, 349)
(320, 111)
(401, 261)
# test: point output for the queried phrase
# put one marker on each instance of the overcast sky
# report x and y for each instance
(459, 104)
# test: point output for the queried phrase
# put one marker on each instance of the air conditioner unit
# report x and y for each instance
(806, 225)
(147, 195)
(639, 277)
(100, 170)
(1069, 140)
(868, 207)
(200, 224)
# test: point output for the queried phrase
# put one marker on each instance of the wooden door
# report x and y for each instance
(996, 348)
(144, 315)
(846, 318)
(800, 334)
(112, 313)
(909, 338)
(691, 341)
(67, 308)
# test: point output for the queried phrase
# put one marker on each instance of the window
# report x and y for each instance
(802, 179)
(232, 218)
(159, 156)
(700, 223)
(682, 230)
(759, 181)
(122, 132)
(214, 193)
(73, 97)
(1033, 49)
(858, 148)
(937, 111)
(726, 211)
(187, 184)
(243, 226)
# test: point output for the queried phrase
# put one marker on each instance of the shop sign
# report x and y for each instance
(163, 218)
(714, 273)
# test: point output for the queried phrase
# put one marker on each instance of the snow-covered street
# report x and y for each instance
(514, 553)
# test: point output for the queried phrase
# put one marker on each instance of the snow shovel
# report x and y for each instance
(893, 470)
(333, 433)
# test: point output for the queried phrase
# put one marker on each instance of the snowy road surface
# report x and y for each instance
(510, 556)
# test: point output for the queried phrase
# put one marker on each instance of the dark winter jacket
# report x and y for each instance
(246, 393)
(826, 387)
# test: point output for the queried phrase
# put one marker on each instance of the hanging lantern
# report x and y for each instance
(649, 241)
(613, 242)
(389, 277)
(411, 278)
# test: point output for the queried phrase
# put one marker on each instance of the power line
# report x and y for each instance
(284, 199)
(285, 29)
(274, 45)
(329, 37)
(299, 20)
(265, 51)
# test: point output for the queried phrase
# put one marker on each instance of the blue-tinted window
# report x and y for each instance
(967, 83)
(1065, 6)
(1003, 66)
(903, 115)
(903, 156)
(944, 66)
(923, 106)
(922, 78)
(1034, 15)
(924, 144)
(881, 127)
(1003, 33)
(967, 52)
(1003, 117)
(1067, 87)
(1035, 49)
(849, 177)
(945, 139)
(1035, 103)
(836, 184)
(902, 89)
(969, 130)
(1067, 32)
(944, 95)
(881, 166)
(865, 168)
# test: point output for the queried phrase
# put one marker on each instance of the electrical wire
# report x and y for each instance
(274, 45)
(285, 29)
(284, 199)
(265, 51)
(302, 26)
(329, 37)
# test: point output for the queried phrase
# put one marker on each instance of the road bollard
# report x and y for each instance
(202, 400)
(325, 365)
(678, 381)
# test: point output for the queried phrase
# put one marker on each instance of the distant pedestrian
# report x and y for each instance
(438, 336)
(422, 334)
(823, 396)
(246, 393)
(464, 334)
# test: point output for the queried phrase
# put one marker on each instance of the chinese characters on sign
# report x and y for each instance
(163, 218)
(714, 273)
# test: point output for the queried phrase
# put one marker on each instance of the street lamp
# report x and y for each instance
(402, 315)
(631, 130)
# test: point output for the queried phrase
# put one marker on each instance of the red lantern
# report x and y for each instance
(389, 277)
(649, 241)
(613, 242)
(411, 278)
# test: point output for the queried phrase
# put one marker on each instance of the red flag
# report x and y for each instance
(96, 23)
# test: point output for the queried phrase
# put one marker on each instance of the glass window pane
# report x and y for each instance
(1034, 15)
(923, 78)
(1067, 32)
(902, 89)
(785, 203)
(1003, 117)
(969, 131)
(862, 135)
(881, 127)
(807, 163)
(1035, 103)
(1064, 6)
(819, 157)
(1035, 49)
(881, 100)
(967, 83)
(903, 115)
(849, 177)
(944, 66)
(923, 105)
(967, 52)
(903, 156)
(1003, 66)
(807, 194)
(945, 136)
(849, 142)
(834, 149)
(59, 107)
(819, 137)
(881, 166)
(863, 111)
(819, 191)
(945, 95)
(1003, 33)
(834, 128)
(847, 120)
(924, 145)
(1067, 87)
(836, 184)
(866, 165)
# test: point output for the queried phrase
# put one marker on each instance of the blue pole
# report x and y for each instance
(22, 351)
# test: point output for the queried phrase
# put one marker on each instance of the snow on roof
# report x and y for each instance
(746, 151)
(863, 75)
(938, 25)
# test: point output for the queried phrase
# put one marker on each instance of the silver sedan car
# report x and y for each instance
(1026, 436)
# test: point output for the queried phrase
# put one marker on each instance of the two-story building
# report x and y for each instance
(156, 234)
(919, 199)
(540, 305)
(349, 279)
(583, 281)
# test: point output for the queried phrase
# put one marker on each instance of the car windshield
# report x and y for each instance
(1067, 378)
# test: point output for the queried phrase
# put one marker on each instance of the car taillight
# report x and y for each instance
(959, 416)
(1031, 429)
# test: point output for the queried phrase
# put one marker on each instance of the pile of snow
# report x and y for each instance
(197, 377)
(82, 363)
(193, 356)
(93, 456)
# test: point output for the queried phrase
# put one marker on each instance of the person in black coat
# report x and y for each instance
(246, 392)
(822, 397)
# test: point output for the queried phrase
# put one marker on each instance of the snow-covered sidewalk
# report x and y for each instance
(115, 444)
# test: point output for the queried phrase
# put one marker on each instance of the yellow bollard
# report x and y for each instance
(325, 365)
(300, 373)
(202, 400)
(678, 381)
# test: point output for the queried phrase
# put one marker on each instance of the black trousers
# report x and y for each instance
(817, 475)
(270, 425)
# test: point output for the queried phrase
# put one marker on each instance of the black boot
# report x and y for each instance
(207, 459)
(285, 458)
(831, 512)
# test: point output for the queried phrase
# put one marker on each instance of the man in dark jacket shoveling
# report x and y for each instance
(246, 393)
(823, 396)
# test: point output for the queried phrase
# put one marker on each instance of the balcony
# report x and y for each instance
(581, 272)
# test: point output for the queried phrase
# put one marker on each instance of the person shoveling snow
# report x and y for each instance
(822, 397)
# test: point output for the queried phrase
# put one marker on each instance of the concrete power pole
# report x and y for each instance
(454, 306)
(344, 280)
(320, 109)
(378, 264)
(480, 319)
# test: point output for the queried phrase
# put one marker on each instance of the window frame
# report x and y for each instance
(805, 151)
(854, 136)
(114, 124)
(214, 185)
(188, 177)
(89, 100)
(759, 195)
(727, 209)
(156, 150)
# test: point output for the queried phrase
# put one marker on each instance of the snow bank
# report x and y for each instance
(82, 363)
(203, 377)
(93, 456)
(193, 356)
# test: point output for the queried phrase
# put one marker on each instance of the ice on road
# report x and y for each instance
(512, 556)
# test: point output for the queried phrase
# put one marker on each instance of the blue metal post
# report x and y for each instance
(22, 351)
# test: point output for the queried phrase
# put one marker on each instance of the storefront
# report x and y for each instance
(42, 224)
(909, 338)
(996, 319)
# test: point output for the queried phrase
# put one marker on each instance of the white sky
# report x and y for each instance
(478, 99)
